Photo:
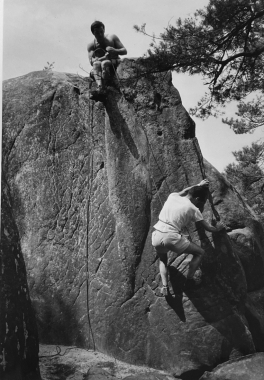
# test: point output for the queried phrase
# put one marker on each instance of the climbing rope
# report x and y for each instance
(58, 349)
(201, 164)
(88, 214)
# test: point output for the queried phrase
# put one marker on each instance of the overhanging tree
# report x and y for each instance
(248, 176)
(224, 42)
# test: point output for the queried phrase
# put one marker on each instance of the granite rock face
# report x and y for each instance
(246, 236)
(87, 182)
(18, 330)
(249, 367)
(101, 374)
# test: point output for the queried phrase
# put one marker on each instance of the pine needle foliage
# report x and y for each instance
(224, 42)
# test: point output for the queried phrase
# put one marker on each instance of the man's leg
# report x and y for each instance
(197, 253)
(163, 268)
(99, 94)
(106, 67)
(161, 251)
(97, 73)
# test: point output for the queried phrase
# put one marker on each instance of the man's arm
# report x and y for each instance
(90, 49)
(204, 183)
(93, 59)
(210, 228)
(119, 47)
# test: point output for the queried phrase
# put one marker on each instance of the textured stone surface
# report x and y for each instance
(246, 235)
(87, 182)
(254, 313)
(250, 367)
(95, 373)
(148, 376)
(59, 362)
(18, 330)
(99, 374)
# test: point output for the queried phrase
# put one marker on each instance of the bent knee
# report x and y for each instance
(161, 252)
(97, 65)
(163, 258)
(195, 250)
(106, 63)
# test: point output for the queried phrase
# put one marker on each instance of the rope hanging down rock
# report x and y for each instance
(88, 213)
(201, 164)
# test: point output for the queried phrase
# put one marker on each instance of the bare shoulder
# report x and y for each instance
(112, 37)
(90, 46)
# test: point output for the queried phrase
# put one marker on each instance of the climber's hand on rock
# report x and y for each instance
(204, 183)
(220, 226)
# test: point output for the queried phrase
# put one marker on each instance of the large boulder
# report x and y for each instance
(249, 367)
(18, 330)
(87, 182)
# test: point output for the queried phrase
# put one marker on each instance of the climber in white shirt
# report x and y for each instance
(178, 212)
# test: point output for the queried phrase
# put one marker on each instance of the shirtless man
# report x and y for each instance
(178, 211)
(103, 54)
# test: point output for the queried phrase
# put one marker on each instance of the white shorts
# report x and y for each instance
(169, 241)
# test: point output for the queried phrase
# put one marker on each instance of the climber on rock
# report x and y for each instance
(178, 211)
(103, 53)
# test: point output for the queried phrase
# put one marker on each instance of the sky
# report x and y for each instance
(39, 31)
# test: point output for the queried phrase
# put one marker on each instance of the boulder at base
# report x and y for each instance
(250, 367)
(87, 182)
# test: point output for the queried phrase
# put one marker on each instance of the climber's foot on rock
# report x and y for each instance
(164, 291)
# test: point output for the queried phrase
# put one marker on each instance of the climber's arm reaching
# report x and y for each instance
(220, 226)
(118, 48)
(204, 183)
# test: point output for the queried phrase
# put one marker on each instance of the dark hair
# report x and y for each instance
(96, 24)
(200, 192)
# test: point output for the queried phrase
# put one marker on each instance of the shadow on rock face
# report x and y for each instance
(175, 301)
(62, 371)
(222, 296)
(57, 322)
(119, 125)
(18, 337)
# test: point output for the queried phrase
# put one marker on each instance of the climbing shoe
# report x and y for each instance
(164, 291)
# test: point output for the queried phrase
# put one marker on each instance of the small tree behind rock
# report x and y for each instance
(49, 66)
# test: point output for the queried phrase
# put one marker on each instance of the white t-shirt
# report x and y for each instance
(177, 213)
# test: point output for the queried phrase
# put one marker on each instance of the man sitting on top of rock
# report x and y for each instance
(103, 53)
(178, 211)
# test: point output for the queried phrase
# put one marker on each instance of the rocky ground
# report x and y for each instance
(72, 363)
